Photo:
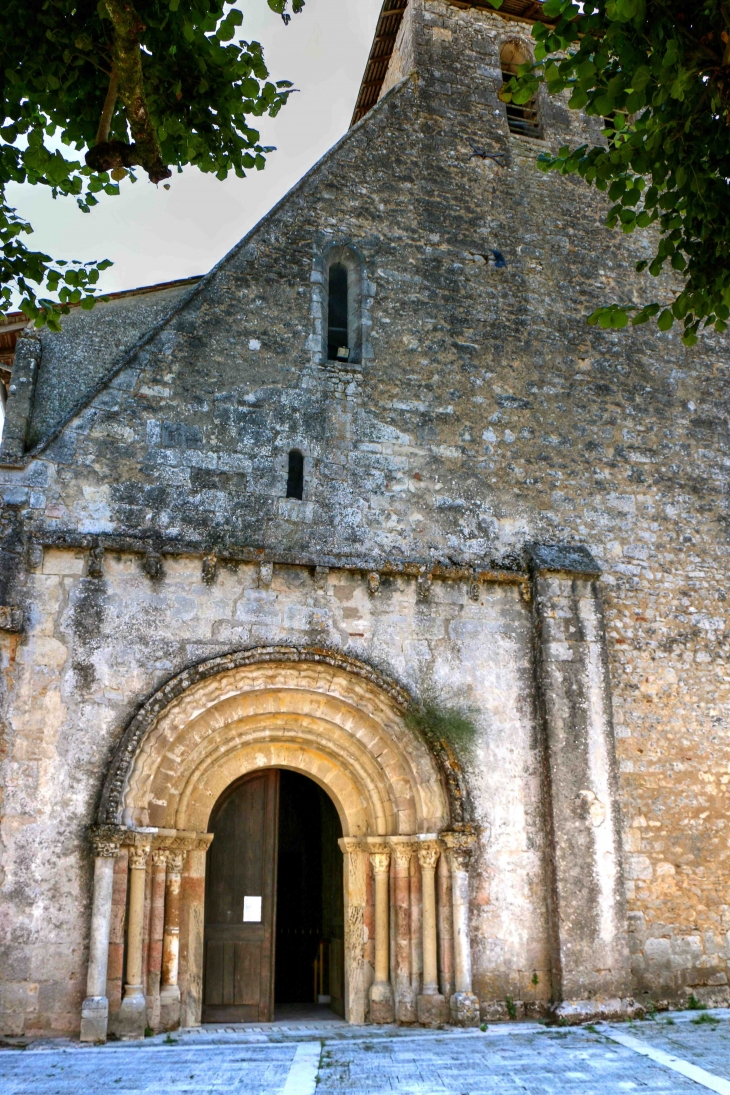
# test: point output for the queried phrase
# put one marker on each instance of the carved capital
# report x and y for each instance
(353, 845)
(175, 861)
(460, 847)
(138, 855)
(403, 853)
(380, 862)
(159, 857)
(428, 854)
(105, 841)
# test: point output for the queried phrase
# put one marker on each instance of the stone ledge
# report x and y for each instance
(570, 560)
(574, 1012)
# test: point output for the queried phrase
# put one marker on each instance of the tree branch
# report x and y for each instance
(145, 150)
(107, 113)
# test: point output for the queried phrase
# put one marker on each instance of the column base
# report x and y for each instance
(131, 1019)
(433, 1010)
(405, 1008)
(170, 1008)
(464, 1009)
(94, 1019)
(382, 1008)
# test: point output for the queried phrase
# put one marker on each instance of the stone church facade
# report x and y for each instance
(259, 526)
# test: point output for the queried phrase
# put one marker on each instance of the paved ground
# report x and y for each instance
(671, 1056)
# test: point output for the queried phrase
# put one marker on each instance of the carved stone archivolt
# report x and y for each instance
(324, 690)
(336, 720)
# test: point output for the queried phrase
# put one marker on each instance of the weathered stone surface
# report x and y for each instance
(11, 618)
(484, 425)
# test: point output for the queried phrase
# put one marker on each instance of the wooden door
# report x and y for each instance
(240, 902)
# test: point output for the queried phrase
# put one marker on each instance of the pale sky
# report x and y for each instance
(155, 235)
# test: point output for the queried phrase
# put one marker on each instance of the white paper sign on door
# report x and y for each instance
(252, 910)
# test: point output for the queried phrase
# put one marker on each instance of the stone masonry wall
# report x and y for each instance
(97, 647)
(489, 416)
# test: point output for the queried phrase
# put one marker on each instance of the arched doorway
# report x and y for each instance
(340, 724)
(274, 908)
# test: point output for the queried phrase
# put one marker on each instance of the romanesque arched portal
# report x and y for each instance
(341, 723)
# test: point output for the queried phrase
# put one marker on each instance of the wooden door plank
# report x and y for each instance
(239, 955)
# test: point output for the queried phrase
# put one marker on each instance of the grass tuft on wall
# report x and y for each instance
(452, 724)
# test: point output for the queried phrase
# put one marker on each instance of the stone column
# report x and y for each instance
(445, 917)
(355, 883)
(170, 990)
(132, 1018)
(405, 1004)
(95, 1008)
(192, 931)
(432, 1008)
(463, 1005)
(588, 930)
(381, 991)
(157, 923)
(416, 931)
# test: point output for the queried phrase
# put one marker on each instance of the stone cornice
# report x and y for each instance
(135, 545)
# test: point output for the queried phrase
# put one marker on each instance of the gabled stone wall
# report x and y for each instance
(489, 416)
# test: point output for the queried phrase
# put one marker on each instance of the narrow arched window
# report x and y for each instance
(522, 118)
(295, 481)
(338, 335)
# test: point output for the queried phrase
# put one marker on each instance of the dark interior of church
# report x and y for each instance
(309, 908)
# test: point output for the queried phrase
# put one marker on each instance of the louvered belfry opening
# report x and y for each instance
(522, 118)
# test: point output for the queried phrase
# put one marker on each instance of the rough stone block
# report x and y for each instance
(433, 1011)
(94, 1019)
(131, 1019)
(382, 1005)
(464, 1009)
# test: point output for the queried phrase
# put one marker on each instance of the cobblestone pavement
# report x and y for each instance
(334, 1059)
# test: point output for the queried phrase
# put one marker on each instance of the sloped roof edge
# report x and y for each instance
(200, 285)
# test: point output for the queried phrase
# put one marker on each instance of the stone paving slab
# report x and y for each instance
(257, 1059)
(695, 1037)
(550, 1063)
(146, 1070)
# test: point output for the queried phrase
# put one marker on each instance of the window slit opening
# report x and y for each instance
(338, 339)
(295, 481)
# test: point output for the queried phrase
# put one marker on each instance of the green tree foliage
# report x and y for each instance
(658, 72)
(92, 89)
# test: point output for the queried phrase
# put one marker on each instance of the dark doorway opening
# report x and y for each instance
(309, 906)
(274, 903)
